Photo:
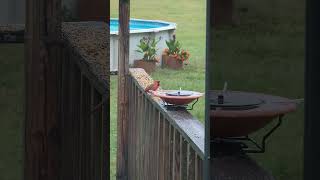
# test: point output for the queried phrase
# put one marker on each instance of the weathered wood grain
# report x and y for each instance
(130, 131)
(123, 72)
(171, 147)
(198, 167)
(191, 129)
(61, 139)
(42, 125)
(97, 133)
(161, 149)
(237, 167)
(176, 156)
(191, 164)
(159, 141)
(183, 158)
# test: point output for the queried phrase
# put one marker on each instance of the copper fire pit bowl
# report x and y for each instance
(243, 113)
(172, 97)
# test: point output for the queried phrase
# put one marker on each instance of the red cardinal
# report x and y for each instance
(152, 87)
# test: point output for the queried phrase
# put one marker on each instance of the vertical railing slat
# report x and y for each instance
(76, 123)
(135, 134)
(183, 158)
(66, 114)
(86, 104)
(147, 135)
(97, 134)
(80, 140)
(154, 141)
(129, 149)
(162, 148)
(171, 151)
(198, 167)
(166, 155)
(130, 131)
(177, 154)
(140, 128)
(158, 140)
(191, 164)
(91, 133)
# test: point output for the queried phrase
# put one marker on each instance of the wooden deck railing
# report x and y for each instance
(84, 100)
(163, 144)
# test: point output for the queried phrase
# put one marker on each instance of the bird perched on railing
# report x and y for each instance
(152, 87)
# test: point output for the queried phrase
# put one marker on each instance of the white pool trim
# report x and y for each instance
(169, 27)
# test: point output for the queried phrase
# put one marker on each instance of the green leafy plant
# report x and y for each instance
(173, 46)
(174, 50)
(147, 47)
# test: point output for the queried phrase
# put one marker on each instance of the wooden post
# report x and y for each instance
(42, 141)
(123, 106)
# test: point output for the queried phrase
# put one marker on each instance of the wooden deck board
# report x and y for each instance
(237, 167)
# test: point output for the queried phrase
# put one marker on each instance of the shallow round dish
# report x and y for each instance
(233, 101)
(177, 100)
(179, 93)
(242, 122)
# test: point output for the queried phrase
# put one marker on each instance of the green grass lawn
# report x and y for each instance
(11, 111)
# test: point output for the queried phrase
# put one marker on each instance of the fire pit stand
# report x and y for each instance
(234, 115)
(239, 144)
(178, 99)
(174, 107)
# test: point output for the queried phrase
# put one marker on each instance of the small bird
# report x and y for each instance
(152, 87)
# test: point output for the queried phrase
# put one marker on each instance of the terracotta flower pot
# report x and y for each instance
(171, 62)
(148, 66)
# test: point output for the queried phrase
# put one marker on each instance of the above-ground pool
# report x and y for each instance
(139, 28)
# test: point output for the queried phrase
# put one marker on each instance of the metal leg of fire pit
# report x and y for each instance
(270, 132)
(172, 107)
(179, 107)
(260, 148)
(191, 108)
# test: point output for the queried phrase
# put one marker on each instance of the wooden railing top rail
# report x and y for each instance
(190, 127)
(89, 42)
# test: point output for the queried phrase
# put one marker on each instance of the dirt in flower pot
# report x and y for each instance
(171, 62)
(149, 66)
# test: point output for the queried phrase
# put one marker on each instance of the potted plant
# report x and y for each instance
(147, 47)
(174, 56)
